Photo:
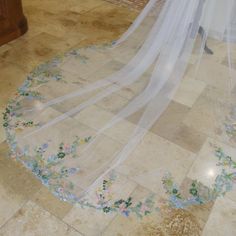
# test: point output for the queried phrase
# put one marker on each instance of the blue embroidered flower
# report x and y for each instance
(72, 171)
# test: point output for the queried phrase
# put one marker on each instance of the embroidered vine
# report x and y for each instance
(198, 194)
(50, 168)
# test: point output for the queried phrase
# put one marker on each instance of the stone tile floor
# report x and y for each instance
(180, 136)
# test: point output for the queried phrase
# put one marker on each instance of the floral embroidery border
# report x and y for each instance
(43, 167)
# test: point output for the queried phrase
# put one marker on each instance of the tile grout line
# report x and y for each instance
(6, 222)
(61, 220)
(30, 200)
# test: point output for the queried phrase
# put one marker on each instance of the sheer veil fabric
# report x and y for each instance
(83, 115)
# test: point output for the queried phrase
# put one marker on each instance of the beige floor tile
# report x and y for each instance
(153, 158)
(170, 126)
(37, 50)
(220, 50)
(4, 48)
(11, 77)
(170, 119)
(205, 168)
(52, 5)
(208, 113)
(134, 225)
(212, 73)
(168, 122)
(15, 177)
(201, 211)
(33, 220)
(45, 199)
(60, 25)
(135, 117)
(105, 71)
(225, 60)
(94, 116)
(97, 118)
(76, 66)
(93, 222)
(133, 90)
(166, 221)
(15, 185)
(9, 204)
(188, 138)
(222, 219)
(96, 159)
(115, 20)
(188, 91)
(88, 221)
(89, 5)
(113, 103)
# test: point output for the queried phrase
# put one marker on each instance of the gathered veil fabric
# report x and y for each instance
(93, 109)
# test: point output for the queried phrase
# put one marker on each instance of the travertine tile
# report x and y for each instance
(171, 127)
(16, 186)
(170, 120)
(212, 73)
(208, 113)
(201, 211)
(163, 222)
(222, 219)
(153, 158)
(97, 118)
(53, 7)
(82, 7)
(33, 220)
(76, 66)
(113, 103)
(105, 71)
(188, 91)
(96, 159)
(188, 138)
(45, 199)
(88, 221)
(4, 48)
(205, 168)
(13, 188)
(134, 225)
(9, 204)
(11, 77)
(135, 117)
(94, 116)
(38, 49)
(92, 222)
(15, 177)
(110, 16)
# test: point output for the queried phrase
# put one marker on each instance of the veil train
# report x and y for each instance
(83, 115)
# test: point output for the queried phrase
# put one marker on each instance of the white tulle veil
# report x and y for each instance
(96, 104)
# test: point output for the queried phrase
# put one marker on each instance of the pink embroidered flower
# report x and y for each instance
(144, 208)
(122, 207)
(60, 190)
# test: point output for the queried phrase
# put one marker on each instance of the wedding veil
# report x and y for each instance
(82, 115)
